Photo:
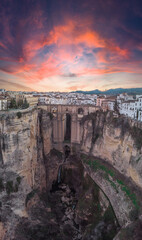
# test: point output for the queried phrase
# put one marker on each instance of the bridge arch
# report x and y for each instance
(67, 151)
(67, 136)
(80, 111)
(66, 123)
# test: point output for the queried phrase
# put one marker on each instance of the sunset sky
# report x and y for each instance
(67, 45)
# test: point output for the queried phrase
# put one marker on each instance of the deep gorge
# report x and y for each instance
(99, 192)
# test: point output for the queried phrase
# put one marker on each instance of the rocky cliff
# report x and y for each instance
(113, 148)
(29, 168)
(25, 138)
(116, 140)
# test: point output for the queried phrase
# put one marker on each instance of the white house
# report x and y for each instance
(2, 91)
(44, 100)
(3, 104)
(128, 108)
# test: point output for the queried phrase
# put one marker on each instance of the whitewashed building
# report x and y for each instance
(131, 108)
(44, 100)
(3, 104)
(128, 108)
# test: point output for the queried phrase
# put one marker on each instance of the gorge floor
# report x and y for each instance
(73, 209)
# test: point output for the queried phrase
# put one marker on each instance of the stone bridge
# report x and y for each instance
(66, 123)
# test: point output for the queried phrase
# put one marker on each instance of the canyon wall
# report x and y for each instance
(27, 163)
(25, 138)
(116, 140)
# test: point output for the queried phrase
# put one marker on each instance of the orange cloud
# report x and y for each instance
(74, 88)
(69, 42)
(72, 33)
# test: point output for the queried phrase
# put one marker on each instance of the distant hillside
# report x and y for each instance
(115, 91)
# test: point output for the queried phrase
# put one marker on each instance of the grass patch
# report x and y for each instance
(112, 183)
(125, 189)
(95, 165)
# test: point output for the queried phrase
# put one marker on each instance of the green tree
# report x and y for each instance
(13, 103)
(25, 104)
(20, 103)
(19, 114)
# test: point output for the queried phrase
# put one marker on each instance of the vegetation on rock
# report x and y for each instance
(30, 195)
(19, 114)
(1, 185)
(50, 115)
(100, 118)
(110, 177)
(55, 152)
(20, 104)
(11, 187)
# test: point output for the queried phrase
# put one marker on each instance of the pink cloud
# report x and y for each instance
(68, 41)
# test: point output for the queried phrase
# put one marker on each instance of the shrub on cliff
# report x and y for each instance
(19, 114)
(50, 115)
(9, 187)
(25, 104)
(18, 179)
(55, 152)
(13, 104)
(30, 195)
(13, 187)
(1, 185)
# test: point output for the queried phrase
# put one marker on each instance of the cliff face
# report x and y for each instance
(19, 144)
(23, 143)
(26, 165)
(115, 140)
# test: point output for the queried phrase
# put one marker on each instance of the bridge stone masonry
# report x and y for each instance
(66, 124)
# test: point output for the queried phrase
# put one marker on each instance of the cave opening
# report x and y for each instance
(68, 128)
(66, 151)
